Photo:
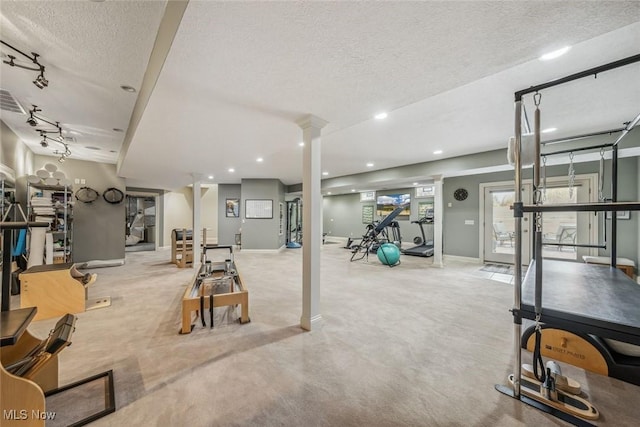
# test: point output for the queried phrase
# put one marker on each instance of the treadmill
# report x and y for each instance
(423, 248)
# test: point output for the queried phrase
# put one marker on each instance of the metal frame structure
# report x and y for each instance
(520, 208)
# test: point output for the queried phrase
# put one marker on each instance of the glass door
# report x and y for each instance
(562, 230)
(499, 224)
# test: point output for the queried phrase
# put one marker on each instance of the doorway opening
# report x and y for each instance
(140, 220)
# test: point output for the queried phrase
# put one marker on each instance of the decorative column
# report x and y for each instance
(311, 221)
(437, 223)
(197, 223)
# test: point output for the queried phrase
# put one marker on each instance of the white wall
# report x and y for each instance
(209, 212)
(178, 207)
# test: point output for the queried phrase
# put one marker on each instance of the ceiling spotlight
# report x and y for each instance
(301, 144)
(415, 183)
(437, 152)
(41, 82)
(329, 192)
(325, 173)
(369, 165)
(555, 54)
(259, 159)
(31, 121)
(381, 116)
(232, 170)
(44, 143)
(353, 190)
(61, 159)
(210, 176)
(127, 88)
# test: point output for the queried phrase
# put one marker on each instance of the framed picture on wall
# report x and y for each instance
(619, 215)
(428, 191)
(424, 208)
(368, 196)
(233, 208)
(367, 214)
(258, 209)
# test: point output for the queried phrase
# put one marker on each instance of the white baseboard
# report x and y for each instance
(262, 251)
(312, 324)
(461, 258)
(101, 263)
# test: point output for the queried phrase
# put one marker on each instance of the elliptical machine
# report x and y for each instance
(423, 246)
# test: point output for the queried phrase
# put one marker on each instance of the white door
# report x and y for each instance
(499, 224)
(561, 230)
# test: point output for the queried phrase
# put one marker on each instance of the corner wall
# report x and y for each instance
(98, 227)
(262, 233)
(228, 227)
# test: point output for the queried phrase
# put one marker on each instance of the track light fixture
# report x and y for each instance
(34, 120)
(40, 81)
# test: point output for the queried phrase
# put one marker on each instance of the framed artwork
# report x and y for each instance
(619, 215)
(258, 209)
(281, 228)
(233, 208)
(368, 196)
(367, 214)
(423, 208)
(428, 191)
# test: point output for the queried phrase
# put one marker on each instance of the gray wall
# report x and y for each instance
(99, 227)
(342, 214)
(462, 240)
(627, 192)
(262, 233)
(16, 155)
(228, 227)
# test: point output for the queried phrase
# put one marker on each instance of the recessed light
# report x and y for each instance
(328, 192)
(112, 151)
(118, 130)
(301, 144)
(353, 190)
(415, 183)
(549, 130)
(89, 147)
(325, 173)
(555, 54)
(437, 152)
(381, 116)
(259, 159)
(210, 176)
(232, 170)
(369, 165)
(127, 88)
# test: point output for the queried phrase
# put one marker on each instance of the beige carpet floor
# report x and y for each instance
(412, 345)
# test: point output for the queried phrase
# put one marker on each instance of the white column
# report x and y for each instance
(311, 222)
(197, 223)
(437, 223)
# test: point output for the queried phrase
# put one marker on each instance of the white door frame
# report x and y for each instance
(593, 182)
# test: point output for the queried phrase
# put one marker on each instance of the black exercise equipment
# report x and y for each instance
(423, 247)
(376, 235)
(294, 224)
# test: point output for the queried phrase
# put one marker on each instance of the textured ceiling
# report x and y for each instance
(239, 74)
(89, 50)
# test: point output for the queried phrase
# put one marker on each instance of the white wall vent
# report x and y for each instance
(9, 103)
